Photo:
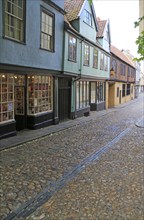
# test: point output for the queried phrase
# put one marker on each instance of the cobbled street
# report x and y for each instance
(91, 171)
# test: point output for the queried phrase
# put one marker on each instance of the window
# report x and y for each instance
(95, 58)
(93, 92)
(40, 94)
(128, 71)
(6, 97)
(19, 94)
(102, 61)
(105, 63)
(128, 89)
(123, 69)
(14, 19)
(123, 90)
(86, 55)
(72, 48)
(114, 65)
(88, 18)
(47, 31)
(82, 94)
(117, 91)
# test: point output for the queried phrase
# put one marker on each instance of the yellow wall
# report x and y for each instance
(111, 95)
(113, 100)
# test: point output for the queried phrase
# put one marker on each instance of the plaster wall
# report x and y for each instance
(29, 54)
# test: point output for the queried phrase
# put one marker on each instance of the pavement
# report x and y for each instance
(90, 168)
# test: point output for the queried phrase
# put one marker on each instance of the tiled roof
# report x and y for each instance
(69, 25)
(101, 27)
(120, 55)
(72, 8)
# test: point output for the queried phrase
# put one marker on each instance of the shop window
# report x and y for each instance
(95, 58)
(14, 19)
(6, 97)
(86, 55)
(82, 94)
(40, 94)
(128, 89)
(47, 31)
(93, 92)
(100, 92)
(72, 48)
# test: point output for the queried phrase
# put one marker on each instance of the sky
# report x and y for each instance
(122, 15)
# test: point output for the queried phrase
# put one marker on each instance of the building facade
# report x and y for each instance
(31, 46)
(86, 62)
(122, 79)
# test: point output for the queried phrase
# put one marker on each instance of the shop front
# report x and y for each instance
(26, 101)
(97, 96)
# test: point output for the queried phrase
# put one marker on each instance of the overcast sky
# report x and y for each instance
(122, 15)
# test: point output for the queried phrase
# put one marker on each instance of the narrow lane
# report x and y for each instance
(29, 168)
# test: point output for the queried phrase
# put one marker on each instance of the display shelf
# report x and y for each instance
(6, 97)
(39, 94)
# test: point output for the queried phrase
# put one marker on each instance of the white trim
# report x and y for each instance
(82, 8)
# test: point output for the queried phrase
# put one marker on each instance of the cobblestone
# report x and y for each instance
(107, 189)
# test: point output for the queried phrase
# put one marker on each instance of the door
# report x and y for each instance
(20, 109)
(64, 98)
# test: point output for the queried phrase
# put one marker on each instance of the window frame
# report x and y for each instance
(82, 94)
(128, 89)
(23, 19)
(88, 18)
(74, 48)
(123, 90)
(95, 57)
(86, 55)
(52, 15)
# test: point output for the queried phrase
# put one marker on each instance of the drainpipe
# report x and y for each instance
(80, 69)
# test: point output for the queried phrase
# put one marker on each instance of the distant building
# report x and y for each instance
(137, 66)
(122, 79)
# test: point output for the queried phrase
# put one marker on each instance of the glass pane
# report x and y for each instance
(93, 93)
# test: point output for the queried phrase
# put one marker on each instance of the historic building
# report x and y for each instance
(86, 62)
(31, 46)
(122, 79)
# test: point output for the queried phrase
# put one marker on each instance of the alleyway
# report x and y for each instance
(91, 171)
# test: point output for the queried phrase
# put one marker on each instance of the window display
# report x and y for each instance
(40, 94)
(82, 94)
(6, 97)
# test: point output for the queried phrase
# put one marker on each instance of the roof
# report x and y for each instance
(101, 27)
(121, 55)
(72, 8)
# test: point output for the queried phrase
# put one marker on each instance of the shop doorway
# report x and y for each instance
(20, 102)
(64, 98)
(20, 110)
